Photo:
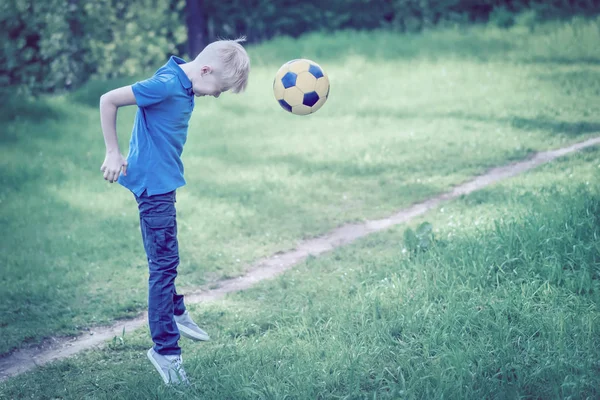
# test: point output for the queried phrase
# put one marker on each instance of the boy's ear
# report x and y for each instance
(206, 69)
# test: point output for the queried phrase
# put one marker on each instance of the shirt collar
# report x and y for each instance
(173, 63)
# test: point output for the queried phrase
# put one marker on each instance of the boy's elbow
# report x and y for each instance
(118, 97)
(103, 100)
(107, 100)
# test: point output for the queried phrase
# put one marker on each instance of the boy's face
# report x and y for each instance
(208, 83)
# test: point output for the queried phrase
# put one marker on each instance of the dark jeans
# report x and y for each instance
(159, 232)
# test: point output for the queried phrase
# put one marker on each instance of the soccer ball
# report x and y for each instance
(301, 86)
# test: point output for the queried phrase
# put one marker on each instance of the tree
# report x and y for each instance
(196, 25)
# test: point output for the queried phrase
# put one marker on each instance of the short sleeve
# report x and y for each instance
(152, 91)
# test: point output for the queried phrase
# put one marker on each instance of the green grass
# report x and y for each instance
(408, 117)
(502, 304)
(559, 42)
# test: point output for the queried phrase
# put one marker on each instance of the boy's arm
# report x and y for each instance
(109, 103)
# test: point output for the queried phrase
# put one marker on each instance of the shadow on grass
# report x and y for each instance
(541, 123)
(24, 108)
(584, 81)
(535, 124)
(304, 165)
(354, 168)
(26, 164)
(592, 61)
(555, 127)
(58, 262)
(277, 195)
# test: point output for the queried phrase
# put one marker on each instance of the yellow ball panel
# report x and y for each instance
(322, 86)
(293, 96)
(301, 109)
(278, 89)
(319, 104)
(306, 82)
(299, 66)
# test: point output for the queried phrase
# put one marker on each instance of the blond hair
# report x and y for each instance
(234, 63)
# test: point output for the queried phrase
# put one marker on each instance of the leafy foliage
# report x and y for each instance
(58, 44)
(263, 19)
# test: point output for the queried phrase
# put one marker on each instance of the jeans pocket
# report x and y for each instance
(161, 236)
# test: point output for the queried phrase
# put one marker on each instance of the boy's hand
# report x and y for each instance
(113, 163)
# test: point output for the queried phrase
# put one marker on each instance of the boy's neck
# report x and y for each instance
(187, 68)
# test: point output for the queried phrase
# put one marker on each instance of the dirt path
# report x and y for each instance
(55, 349)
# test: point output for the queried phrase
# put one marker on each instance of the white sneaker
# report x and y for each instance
(188, 328)
(169, 367)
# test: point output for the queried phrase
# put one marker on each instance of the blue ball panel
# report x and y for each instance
(316, 71)
(289, 80)
(285, 105)
(310, 99)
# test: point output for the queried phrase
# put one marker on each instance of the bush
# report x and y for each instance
(59, 44)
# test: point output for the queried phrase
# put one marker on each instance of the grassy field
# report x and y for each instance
(502, 303)
(408, 117)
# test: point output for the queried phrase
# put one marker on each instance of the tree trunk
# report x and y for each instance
(196, 27)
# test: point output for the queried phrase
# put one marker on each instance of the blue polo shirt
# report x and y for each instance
(165, 104)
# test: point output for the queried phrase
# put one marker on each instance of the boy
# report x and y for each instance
(153, 171)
